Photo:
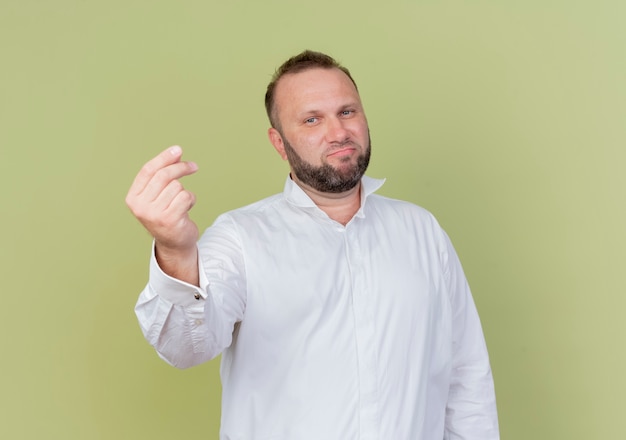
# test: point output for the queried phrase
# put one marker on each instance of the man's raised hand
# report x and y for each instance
(162, 204)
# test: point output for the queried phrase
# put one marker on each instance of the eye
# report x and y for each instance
(310, 121)
(347, 112)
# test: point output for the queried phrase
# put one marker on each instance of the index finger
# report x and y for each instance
(167, 157)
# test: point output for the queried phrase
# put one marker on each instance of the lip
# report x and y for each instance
(342, 152)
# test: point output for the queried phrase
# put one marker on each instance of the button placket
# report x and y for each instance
(364, 334)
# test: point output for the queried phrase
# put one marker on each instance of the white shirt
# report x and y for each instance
(361, 332)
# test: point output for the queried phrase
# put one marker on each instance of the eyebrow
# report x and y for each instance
(313, 111)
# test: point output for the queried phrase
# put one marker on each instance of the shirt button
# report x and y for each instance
(199, 322)
(196, 296)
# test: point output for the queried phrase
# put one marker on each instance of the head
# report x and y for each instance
(298, 63)
(318, 123)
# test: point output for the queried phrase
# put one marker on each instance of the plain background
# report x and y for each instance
(506, 119)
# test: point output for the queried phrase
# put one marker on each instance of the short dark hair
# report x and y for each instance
(303, 61)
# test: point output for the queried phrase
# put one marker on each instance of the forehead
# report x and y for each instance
(315, 87)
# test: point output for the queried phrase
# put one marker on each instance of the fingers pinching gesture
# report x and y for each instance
(162, 204)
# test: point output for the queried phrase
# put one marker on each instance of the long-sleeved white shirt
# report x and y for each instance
(358, 332)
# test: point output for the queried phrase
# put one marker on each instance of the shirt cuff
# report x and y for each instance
(173, 290)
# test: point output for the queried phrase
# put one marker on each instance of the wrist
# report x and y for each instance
(179, 263)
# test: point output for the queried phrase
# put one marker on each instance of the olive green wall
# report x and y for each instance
(504, 118)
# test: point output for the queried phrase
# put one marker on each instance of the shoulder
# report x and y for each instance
(256, 210)
(405, 218)
(396, 207)
(257, 207)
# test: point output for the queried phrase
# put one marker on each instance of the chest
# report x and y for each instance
(324, 272)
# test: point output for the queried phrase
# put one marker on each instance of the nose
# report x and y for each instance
(337, 131)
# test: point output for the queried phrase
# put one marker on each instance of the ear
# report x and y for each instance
(277, 141)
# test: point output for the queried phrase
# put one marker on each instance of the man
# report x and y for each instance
(340, 314)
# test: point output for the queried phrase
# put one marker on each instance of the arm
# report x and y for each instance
(171, 309)
(171, 318)
(188, 325)
(471, 409)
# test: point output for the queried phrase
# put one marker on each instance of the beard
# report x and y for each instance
(326, 178)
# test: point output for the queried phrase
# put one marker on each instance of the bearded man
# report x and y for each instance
(339, 313)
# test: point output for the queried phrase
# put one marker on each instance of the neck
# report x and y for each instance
(340, 207)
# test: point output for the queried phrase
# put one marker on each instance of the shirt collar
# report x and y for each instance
(297, 197)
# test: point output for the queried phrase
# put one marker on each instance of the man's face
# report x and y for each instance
(322, 129)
